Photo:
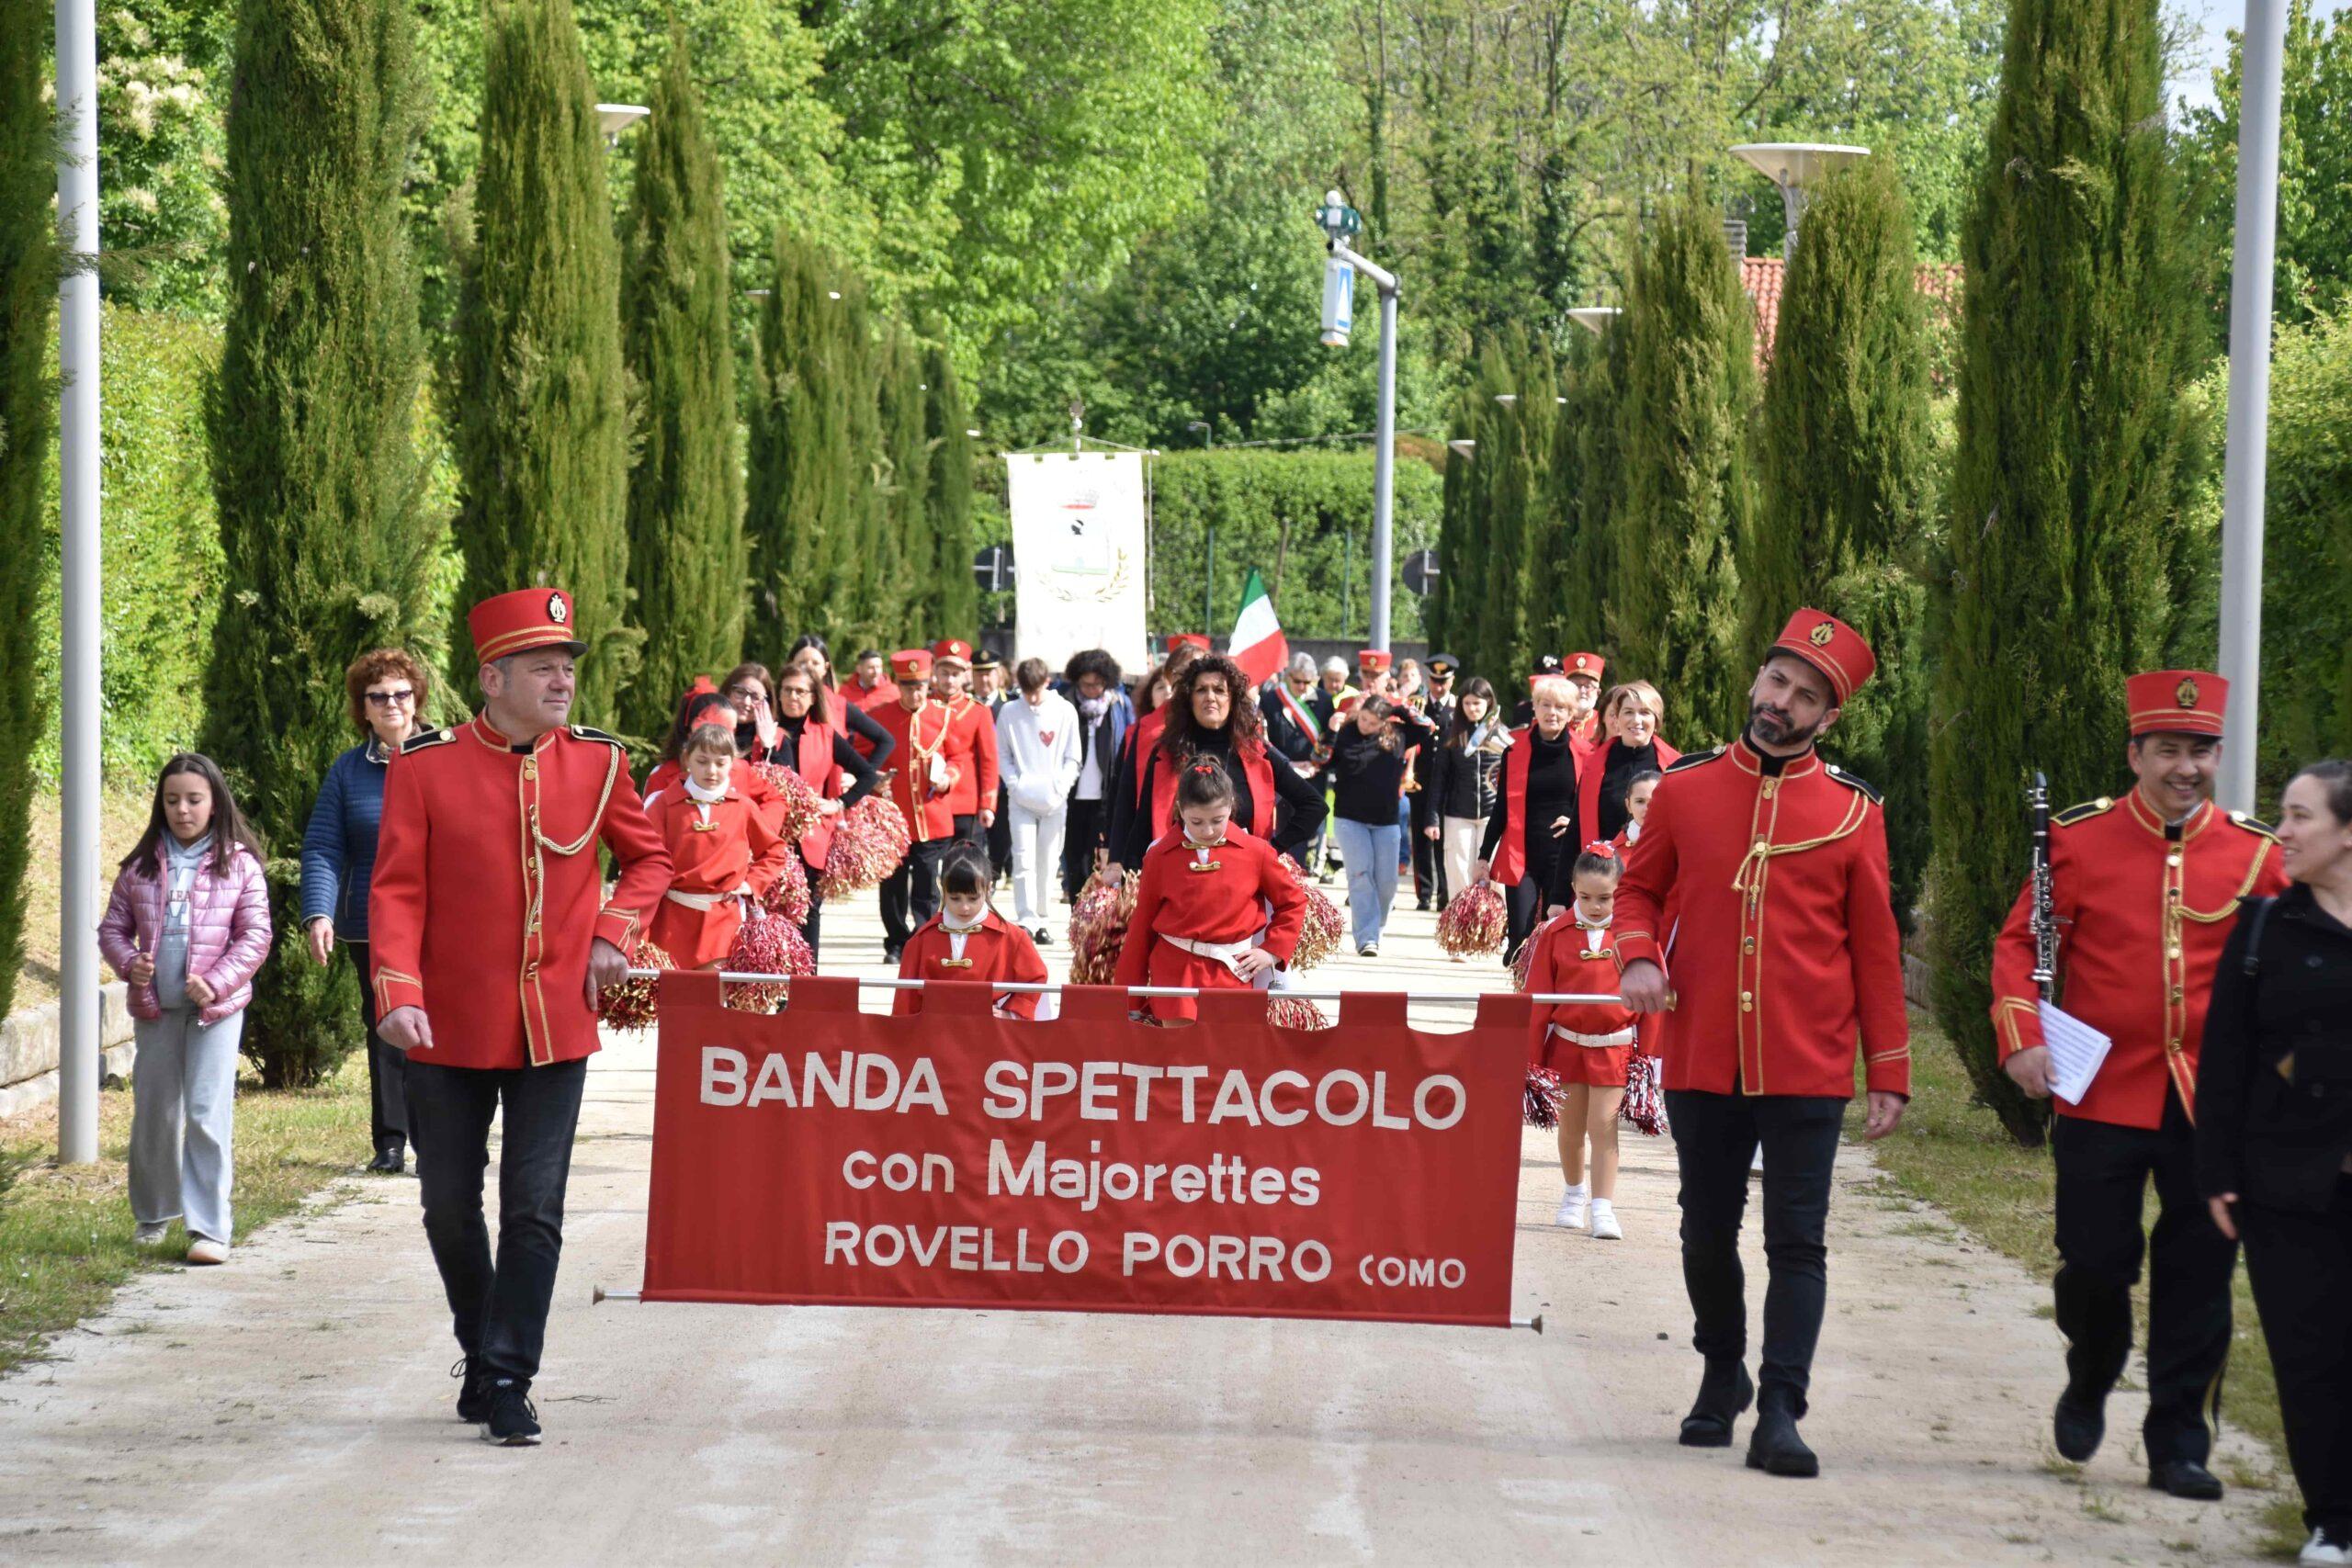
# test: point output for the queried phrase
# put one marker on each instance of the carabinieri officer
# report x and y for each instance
(2145, 889)
(492, 940)
(1788, 965)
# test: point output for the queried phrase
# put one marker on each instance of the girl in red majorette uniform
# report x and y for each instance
(1589, 1045)
(722, 848)
(1213, 910)
(967, 939)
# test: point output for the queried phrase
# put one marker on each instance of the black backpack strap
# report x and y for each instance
(2253, 957)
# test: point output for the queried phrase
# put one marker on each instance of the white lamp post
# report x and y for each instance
(613, 119)
(1793, 166)
(1339, 223)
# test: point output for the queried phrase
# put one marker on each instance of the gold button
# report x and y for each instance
(1747, 1001)
(2172, 953)
(2173, 859)
(1748, 945)
(1769, 785)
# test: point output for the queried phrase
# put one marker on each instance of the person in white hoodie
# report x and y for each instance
(1037, 756)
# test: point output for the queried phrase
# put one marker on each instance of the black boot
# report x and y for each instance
(2185, 1478)
(1774, 1447)
(1724, 1392)
(2078, 1424)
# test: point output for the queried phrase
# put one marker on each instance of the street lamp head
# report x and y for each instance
(1509, 400)
(613, 119)
(1795, 167)
(1595, 319)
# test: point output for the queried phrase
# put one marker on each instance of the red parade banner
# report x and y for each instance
(827, 1156)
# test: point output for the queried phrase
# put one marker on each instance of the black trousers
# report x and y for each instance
(1000, 838)
(1523, 899)
(1716, 1136)
(387, 1069)
(498, 1306)
(1083, 836)
(2301, 1266)
(910, 894)
(816, 907)
(2103, 1171)
(1429, 878)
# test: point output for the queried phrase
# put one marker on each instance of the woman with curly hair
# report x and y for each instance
(1211, 714)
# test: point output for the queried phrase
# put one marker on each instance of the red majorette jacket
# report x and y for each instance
(2143, 915)
(486, 891)
(1786, 957)
(711, 856)
(971, 752)
(992, 951)
(1565, 960)
(1220, 896)
(920, 736)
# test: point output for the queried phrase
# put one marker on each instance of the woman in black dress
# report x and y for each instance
(1532, 838)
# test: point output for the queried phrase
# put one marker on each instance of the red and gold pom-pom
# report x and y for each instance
(630, 1004)
(787, 896)
(1540, 1104)
(803, 807)
(1523, 961)
(765, 945)
(1294, 1013)
(869, 840)
(1319, 936)
(1098, 928)
(1473, 924)
(1645, 1102)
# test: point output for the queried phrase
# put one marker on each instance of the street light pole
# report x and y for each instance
(2246, 466)
(1340, 222)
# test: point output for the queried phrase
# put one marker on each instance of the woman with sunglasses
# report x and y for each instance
(387, 688)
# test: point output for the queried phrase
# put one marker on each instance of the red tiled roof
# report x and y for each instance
(1761, 277)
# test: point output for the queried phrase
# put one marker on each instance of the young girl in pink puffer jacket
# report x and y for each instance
(188, 928)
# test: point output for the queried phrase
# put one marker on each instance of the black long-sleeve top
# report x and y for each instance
(1464, 780)
(2274, 1074)
(864, 775)
(1367, 778)
(1299, 809)
(1618, 763)
(1551, 794)
(879, 742)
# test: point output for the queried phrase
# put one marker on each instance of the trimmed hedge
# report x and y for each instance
(1324, 501)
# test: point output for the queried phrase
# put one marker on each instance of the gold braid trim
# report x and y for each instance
(2229, 909)
(596, 819)
(1751, 864)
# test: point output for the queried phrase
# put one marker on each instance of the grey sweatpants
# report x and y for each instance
(184, 1086)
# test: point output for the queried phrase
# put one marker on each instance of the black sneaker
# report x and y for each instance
(891, 951)
(514, 1420)
(474, 1393)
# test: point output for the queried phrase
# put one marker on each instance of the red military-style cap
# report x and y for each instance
(1187, 639)
(1832, 647)
(910, 665)
(1373, 658)
(951, 650)
(2176, 702)
(1583, 666)
(521, 621)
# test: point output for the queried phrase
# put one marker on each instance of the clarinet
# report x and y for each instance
(2044, 920)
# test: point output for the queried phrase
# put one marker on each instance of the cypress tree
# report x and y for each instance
(2076, 343)
(1595, 415)
(953, 593)
(1846, 467)
(1521, 436)
(542, 414)
(860, 595)
(1690, 397)
(686, 494)
(1548, 587)
(780, 519)
(310, 422)
(28, 295)
(911, 551)
(1445, 610)
(1466, 614)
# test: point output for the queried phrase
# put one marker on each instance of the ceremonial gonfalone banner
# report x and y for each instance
(823, 1155)
(1078, 543)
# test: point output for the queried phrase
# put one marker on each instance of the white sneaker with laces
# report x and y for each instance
(1572, 1210)
(1604, 1221)
(2325, 1548)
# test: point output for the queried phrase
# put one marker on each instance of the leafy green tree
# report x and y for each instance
(1673, 610)
(541, 395)
(28, 293)
(1846, 464)
(952, 594)
(2058, 577)
(314, 465)
(686, 556)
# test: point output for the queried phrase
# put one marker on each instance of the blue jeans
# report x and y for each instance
(1369, 850)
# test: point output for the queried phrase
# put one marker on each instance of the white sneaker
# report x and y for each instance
(1572, 1210)
(2324, 1547)
(204, 1250)
(1604, 1223)
(149, 1232)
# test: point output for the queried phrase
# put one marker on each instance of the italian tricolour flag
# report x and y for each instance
(1258, 643)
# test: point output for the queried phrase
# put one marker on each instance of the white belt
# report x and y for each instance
(1224, 952)
(1597, 1041)
(704, 902)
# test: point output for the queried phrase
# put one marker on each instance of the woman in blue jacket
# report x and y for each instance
(387, 688)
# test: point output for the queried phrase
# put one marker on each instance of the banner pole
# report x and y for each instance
(1033, 987)
(598, 1295)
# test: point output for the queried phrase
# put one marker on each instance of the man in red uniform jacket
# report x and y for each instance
(490, 946)
(1788, 965)
(921, 784)
(971, 742)
(2144, 890)
(870, 690)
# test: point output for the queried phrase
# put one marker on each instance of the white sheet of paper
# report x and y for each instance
(2075, 1052)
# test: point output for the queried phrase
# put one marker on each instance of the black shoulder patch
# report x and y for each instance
(1850, 781)
(582, 732)
(425, 739)
(1692, 758)
(2084, 812)
(2252, 826)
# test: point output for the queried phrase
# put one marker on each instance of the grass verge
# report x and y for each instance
(65, 1232)
(1953, 1153)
